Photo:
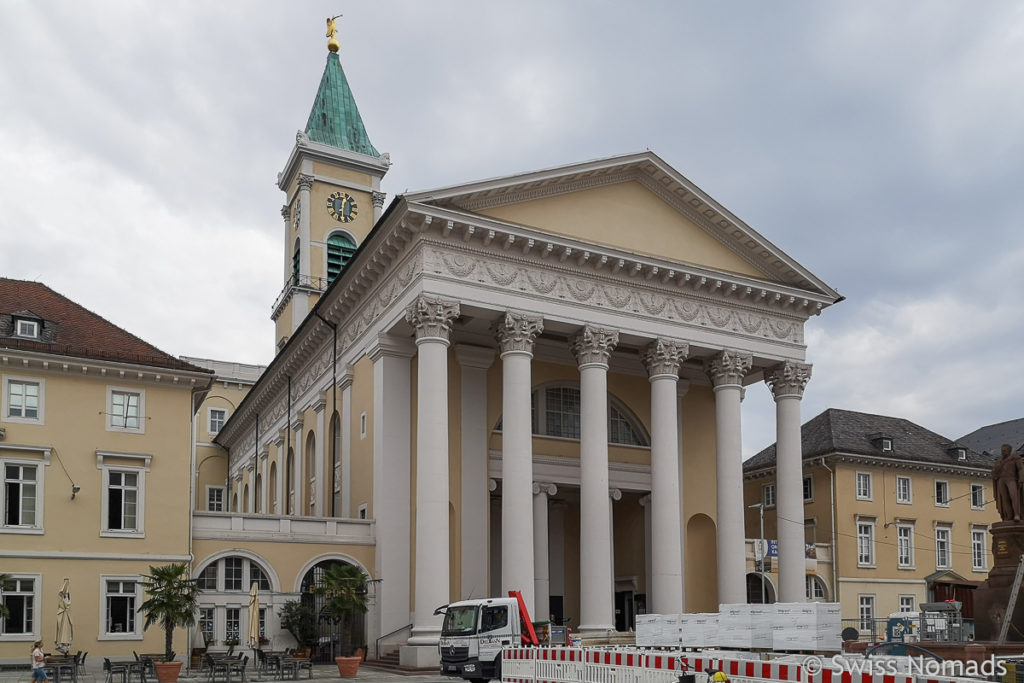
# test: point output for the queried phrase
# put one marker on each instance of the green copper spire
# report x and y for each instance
(334, 119)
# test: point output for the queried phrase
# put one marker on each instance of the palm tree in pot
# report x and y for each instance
(173, 602)
(344, 589)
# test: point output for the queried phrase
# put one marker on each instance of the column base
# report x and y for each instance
(419, 656)
(595, 632)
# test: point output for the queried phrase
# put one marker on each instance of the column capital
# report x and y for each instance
(297, 423)
(548, 488)
(728, 367)
(432, 316)
(305, 181)
(479, 357)
(664, 356)
(788, 378)
(516, 331)
(378, 199)
(615, 494)
(286, 212)
(593, 345)
(492, 485)
(346, 377)
(645, 500)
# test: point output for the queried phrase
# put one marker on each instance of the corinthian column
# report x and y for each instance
(787, 381)
(516, 333)
(431, 317)
(592, 347)
(541, 567)
(726, 371)
(305, 186)
(662, 357)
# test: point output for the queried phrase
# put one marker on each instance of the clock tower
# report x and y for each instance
(332, 192)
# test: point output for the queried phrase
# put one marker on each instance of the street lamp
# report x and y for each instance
(760, 508)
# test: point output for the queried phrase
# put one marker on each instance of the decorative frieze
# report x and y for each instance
(788, 378)
(664, 356)
(728, 367)
(593, 345)
(517, 331)
(431, 316)
(305, 181)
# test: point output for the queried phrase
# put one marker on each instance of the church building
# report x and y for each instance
(531, 382)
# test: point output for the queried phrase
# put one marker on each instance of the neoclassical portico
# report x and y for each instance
(498, 341)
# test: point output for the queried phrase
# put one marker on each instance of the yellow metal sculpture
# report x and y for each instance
(332, 31)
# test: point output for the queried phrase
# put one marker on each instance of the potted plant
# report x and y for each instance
(173, 602)
(344, 589)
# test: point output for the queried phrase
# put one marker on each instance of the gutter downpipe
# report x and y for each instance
(832, 519)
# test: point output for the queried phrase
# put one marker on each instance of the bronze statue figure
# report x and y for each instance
(1008, 479)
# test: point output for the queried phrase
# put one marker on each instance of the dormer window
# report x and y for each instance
(27, 329)
(959, 453)
(885, 445)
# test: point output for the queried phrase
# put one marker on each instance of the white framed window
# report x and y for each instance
(215, 498)
(864, 488)
(943, 557)
(20, 594)
(978, 555)
(238, 574)
(27, 329)
(232, 624)
(23, 400)
(907, 603)
(866, 612)
(207, 579)
(904, 493)
(218, 416)
(206, 624)
(942, 494)
(362, 511)
(22, 496)
(362, 425)
(121, 597)
(768, 495)
(808, 489)
(126, 410)
(124, 501)
(978, 496)
(865, 543)
(885, 444)
(815, 588)
(905, 546)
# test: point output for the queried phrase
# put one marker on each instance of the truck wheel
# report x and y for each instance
(497, 669)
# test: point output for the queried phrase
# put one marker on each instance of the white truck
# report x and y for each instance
(474, 631)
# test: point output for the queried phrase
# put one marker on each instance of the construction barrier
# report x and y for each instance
(634, 665)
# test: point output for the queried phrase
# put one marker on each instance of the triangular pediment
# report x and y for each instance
(635, 203)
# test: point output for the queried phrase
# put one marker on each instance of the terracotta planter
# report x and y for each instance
(348, 667)
(167, 672)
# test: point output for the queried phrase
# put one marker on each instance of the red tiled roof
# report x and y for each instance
(80, 333)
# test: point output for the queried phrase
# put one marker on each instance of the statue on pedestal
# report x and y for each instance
(1008, 480)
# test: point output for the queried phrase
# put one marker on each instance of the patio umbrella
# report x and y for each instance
(65, 631)
(254, 616)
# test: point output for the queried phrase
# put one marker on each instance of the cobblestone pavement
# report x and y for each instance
(320, 672)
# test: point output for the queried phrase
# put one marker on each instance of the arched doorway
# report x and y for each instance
(334, 637)
(759, 589)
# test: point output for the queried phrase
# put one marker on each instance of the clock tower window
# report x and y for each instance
(295, 263)
(340, 248)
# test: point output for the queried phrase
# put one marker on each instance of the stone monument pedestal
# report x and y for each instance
(990, 600)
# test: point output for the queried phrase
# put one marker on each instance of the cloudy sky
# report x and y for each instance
(881, 144)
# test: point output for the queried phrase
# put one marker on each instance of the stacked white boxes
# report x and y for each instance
(807, 626)
(745, 626)
(700, 630)
(657, 630)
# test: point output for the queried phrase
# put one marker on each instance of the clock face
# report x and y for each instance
(342, 207)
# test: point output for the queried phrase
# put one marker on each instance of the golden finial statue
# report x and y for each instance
(332, 31)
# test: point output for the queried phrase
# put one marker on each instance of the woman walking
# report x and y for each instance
(38, 661)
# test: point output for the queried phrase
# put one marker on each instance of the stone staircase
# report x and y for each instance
(389, 662)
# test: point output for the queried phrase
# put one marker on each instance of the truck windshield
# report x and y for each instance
(459, 621)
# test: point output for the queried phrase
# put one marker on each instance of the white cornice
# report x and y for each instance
(877, 461)
(315, 151)
(42, 451)
(52, 363)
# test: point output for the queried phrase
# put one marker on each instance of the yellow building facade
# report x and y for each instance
(898, 515)
(97, 460)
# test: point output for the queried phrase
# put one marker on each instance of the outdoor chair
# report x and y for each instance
(111, 670)
(306, 664)
(216, 669)
(237, 667)
(81, 661)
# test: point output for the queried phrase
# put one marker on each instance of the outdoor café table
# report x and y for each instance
(290, 667)
(134, 666)
(62, 668)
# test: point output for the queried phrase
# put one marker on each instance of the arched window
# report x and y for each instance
(340, 248)
(759, 590)
(815, 588)
(335, 465)
(272, 489)
(309, 490)
(258, 493)
(295, 262)
(235, 573)
(245, 499)
(555, 411)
